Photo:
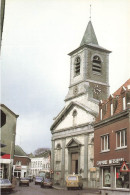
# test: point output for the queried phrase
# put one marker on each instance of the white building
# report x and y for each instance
(72, 129)
(40, 164)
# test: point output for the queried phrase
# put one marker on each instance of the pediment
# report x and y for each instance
(65, 117)
(73, 143)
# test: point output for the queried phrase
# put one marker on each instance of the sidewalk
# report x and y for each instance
(88, 191)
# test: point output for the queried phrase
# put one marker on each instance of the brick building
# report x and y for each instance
(22, 163)
(112, 142)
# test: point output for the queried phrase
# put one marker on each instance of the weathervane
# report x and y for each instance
(90, 12)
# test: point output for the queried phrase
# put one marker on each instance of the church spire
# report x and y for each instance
(89, 35)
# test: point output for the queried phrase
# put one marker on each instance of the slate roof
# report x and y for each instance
(89, 40)
(89, 35)
(19, 151)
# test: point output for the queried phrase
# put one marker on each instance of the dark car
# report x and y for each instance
(38, 180)
(30, 177)
(24, 181)
(47, 182)
(5, 185)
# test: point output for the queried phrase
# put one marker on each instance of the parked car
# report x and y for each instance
(24, 181)
(74, 181)
(46, 182)
(5, 185)
(30, 177)
(38, 180)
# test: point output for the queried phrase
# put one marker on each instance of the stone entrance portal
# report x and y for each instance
(74, 163)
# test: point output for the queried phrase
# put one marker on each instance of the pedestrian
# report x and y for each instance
(14, 182)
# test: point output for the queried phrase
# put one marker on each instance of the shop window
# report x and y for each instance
(77, 66)
(122, 179)
(96, 64)
(121, 139)
(105, 146)
(106, 177)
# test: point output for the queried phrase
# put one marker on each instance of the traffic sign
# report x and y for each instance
(124, 168)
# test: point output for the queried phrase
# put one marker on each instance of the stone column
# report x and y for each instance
(63, 163)
(86, 157)
(52, 156)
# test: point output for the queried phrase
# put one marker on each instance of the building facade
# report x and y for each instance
(8, 133)
(22, 163)
(39, 164)
(112, 142)
(72, 129)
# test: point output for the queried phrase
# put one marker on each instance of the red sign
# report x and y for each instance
(117, 175)
(124, 168)
(6, 156)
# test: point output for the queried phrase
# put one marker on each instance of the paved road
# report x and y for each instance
(37, 190)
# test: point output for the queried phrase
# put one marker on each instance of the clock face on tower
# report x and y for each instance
(75, 90)
(97, 92)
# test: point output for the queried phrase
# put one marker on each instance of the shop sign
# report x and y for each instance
(124, 168)
(17, 167)
(115, 161)
(103, 162)
(111, 161)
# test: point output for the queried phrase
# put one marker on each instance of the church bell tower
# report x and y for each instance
(89, 70)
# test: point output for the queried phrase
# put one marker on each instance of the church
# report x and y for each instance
(73, 128)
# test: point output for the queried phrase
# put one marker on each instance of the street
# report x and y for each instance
(37, 190)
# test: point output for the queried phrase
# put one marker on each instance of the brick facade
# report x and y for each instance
(111, 142)
(24, 160)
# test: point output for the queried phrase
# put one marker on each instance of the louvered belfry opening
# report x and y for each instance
(77, 66)
(96, 66)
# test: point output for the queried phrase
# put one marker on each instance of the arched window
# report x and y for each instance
(74, 113)
(96, 64)
(77, 66)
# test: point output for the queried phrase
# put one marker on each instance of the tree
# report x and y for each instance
(42, 152)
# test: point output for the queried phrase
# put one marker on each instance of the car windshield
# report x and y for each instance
(24, 178)
(4, 181)
(47, 180)
(38, 177)
(73, 178)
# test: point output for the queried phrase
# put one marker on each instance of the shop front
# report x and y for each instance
(114, 177)
(17, 171)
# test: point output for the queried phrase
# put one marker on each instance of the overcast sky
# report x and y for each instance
(37, 36)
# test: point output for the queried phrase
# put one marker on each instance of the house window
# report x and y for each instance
(77, 66)
(105, 146)
(18, 163)
(122, 178)
(96, 64)
(106, 177)
(101, 114)
(121, 139)
(111, 109)
(124, 103)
